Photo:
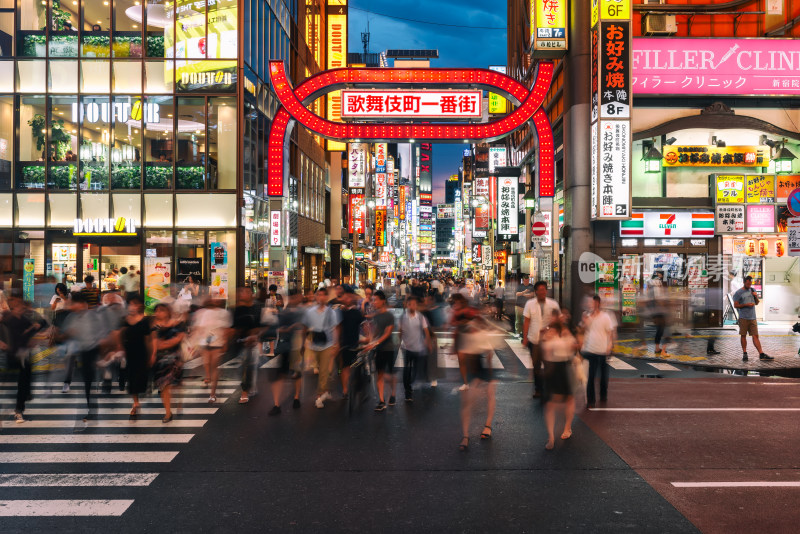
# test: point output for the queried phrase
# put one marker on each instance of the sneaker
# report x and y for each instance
(392, 401)
(319, 403)
(713, 352)
(212, 399)
(380, 407)
(244, 399)
(296, 403)
(744, 357)
(18, 418)
(326, 396)
(763, 356)
(409, 399)
(65, 388)
(464, 387)
(434, 383)
(276, 410)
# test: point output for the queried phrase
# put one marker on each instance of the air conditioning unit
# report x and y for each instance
(659, 24)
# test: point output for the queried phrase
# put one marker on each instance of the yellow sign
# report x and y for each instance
(104, 226)
(347, 254)
(595, 12)
(614, 10)
(730, 189)
(497, 104)
(549, 27)
(713, 156)
(337, 58)
(760, 189)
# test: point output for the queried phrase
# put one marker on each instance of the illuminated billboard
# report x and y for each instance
(337, 58)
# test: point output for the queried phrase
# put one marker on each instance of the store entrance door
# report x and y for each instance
(104, 261)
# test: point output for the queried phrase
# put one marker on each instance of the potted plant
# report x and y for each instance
(38, 124)
(190, 177)
(60, 139)
(33, 45)
(62, 176)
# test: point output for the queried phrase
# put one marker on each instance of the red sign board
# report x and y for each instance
(539, 229)
(357, 104)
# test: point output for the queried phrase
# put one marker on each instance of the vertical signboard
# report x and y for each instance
(27, 279)
(549, 28)
(426, 174)
(357, 211)
(380, 227)
(508, 208)
(497, 104)
(497, 157)
(401, 201)
(218, 288)
(611, 109)
(275, 229)
(356, 165)
(337, 58)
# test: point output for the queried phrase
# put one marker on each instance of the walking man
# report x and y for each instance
(598, 339)
(385, 354)
(537, 314)
(415, 339)
(745, 300)
(322, 320)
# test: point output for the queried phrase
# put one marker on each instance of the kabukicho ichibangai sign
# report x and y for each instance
(295, 104)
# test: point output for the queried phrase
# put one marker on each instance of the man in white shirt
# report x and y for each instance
(599, 330)
(415, 340)
(536, 317)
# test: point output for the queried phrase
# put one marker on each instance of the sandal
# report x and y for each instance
(134, 413)
(212, 399)
(486, 435)
(167, 418)
(464, 446)
(566, 434)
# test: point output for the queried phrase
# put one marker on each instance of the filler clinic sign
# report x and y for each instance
(688, 66)
(337, 58)
(549, 27)
(367, 104)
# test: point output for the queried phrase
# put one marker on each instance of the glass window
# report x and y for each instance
(126, 141)
(158, 17)
(95, 112)
(32, 16)
(191, 157)
(6, 214)
(95, 76)
(7, 76)
(31, 76)
(94, 205)
(62, 19)
(32, 142)
(157, 209)
(127, 18)
(63, 43)
(63, 209)
(127, 205)
(127, 76)
(63, 76)
(30, 209)
(7, 34)
(159, 143)
(205, 210)
(190, 245)
(221, 283)
(190, 32)
(222, 24)
(222, 137)
(6, 141)
(96, 23)
(63, 143)
(158, 244)
(158, 77)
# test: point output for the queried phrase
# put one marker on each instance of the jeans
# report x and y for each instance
(416, 363)
(536, 361)
(596, 362)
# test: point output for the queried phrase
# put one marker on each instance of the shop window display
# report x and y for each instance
(191, 156)
(130, 114)
(32, 127)
(63, 143)
(127, 31)
(159, 143)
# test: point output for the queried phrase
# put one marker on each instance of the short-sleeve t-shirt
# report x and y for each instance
(745, 296)
(380, 322)
(351, 322)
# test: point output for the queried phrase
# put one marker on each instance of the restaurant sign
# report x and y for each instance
(714, 156)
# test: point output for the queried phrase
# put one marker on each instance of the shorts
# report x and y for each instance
(748, 326)
(284, 369)
(347, 357)
(384, 360)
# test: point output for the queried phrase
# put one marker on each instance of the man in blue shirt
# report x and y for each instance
(745, 300)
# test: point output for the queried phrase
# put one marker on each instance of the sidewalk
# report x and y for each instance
(691, 349)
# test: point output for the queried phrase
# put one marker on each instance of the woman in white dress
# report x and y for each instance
(559, 348)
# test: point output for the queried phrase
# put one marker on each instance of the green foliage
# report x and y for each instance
(37, 124)
(32, 176)
(94, 174)
(126, 177)
(155, 46)
(62, 176)
(190, 177)
(100, 45)
(60, 139)
(59, 17)
(29, 44)
(157, 176)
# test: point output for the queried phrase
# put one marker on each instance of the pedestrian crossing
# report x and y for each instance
(56, 448)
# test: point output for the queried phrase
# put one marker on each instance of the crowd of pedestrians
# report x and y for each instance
(111, 336)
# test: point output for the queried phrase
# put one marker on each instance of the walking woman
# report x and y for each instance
(474, 355)
(211, 330)
(135, 338)
(166, 338)
(559, 348)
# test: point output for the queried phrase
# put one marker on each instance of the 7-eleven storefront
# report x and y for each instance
(680, 245)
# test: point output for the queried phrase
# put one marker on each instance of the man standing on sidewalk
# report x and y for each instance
(537, 314)
(598, 339)
(322, 320)
(745, 300)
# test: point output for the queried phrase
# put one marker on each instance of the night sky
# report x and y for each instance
(458, 47)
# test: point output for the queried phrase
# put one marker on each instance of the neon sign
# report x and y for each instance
(292, 100)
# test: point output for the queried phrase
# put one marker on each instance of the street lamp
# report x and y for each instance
(529, 199)
(651, 156)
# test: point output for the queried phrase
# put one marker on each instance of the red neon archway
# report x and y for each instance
(529, 106)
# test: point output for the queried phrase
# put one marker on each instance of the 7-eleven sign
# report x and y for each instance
(668, 224)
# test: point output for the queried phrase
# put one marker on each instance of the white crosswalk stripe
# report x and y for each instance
(619, 365)
(47, 442)
(663, 366)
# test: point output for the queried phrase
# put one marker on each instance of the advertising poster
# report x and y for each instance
(760, 189)
(730, 189)
(27, 279)
(156, 281)
(629, 281)
(189, 267)
(786, 184)
(761, 219)
(357, 162)
(606, 285)
(218, 288)
(729, 219)
(380, 227)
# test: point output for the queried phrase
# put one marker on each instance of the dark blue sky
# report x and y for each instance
(458, 46)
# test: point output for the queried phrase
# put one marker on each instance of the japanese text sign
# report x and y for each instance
(337, 58)
(275, 228)
(613, 190)
(356, 161)
(729, 219)
(412, 104)
(380, 227)
(793, 236)
(614, 77)
(730, 189)
(357, 213)
(508, 208)
(497, 104)
(380, 157)
(762, 67)
(381, 188)
(760, 189)
(500, 257)
(549, 27)
(713, 156)
(786, 184)
(497, 157)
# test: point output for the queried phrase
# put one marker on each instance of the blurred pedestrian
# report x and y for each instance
(559, 348)
(18, 331)
(134, 337)
(84, 333)
(745, 300)
(349, 329)
(537, 314)
(415, 340)
(287, 351)
(383, 344)
(246, 334)
(321, 321)
(60, 304)
(167, 336)
(599, 328)
(210, 332)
